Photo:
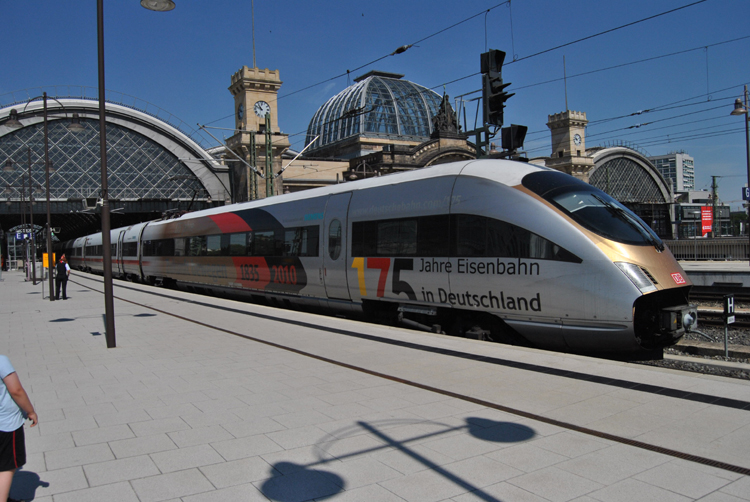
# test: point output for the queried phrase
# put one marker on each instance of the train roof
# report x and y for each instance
(507, 172)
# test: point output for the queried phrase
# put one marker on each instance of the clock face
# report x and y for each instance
(262, 108)
(240, 111)
(577, 139)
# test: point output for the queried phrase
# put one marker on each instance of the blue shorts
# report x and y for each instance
(12, 450)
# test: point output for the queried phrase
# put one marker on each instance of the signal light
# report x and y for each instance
(493, 88)
(513, 137)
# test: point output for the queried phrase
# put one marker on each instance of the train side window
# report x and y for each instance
(130, 249)
(213, 245)
(197, 246)
(301, 241)
(293, 241)
(224, 244)
(433, 236)
(364, 238)
(311, 241)
(397, 238)
(470, 235)
(334, 239)
(238, 244)
(250, 243)
(179, 246)
(502, 239)
(165, 247)
(265, 243)
(477, 236)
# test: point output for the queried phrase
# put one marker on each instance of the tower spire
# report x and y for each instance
(252, 15)
(565, 79)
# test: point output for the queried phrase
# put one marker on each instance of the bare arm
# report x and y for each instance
(18, 393)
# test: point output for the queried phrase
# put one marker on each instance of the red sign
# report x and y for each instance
(707, 219)
(678, 278)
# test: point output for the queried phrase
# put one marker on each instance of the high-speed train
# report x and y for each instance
(489, 249)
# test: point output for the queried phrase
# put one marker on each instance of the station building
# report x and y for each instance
(157, 167)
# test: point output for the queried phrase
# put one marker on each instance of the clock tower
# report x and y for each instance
(569, 144)
(255, 93)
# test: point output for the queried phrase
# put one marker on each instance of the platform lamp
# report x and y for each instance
(741, 109)
(74, 126)
(109, 308)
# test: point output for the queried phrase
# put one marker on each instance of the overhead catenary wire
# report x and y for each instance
(515, 59)
(589, 37)
(622, 65)
(593, 123)
(660, 108)
(347, 72)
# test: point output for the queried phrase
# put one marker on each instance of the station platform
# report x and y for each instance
(734, 274)
(207, 399)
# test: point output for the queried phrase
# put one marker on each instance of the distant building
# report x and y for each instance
(379, 125)
(688, 214)
(677, 168)
(379, 109)
(622, 172)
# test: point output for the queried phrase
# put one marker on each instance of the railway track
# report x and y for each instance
(715, 317)
(714, 295)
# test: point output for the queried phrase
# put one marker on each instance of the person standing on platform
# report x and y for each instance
(62, 272)
(14, 405)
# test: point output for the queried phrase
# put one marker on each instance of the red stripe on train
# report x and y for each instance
(230, 222)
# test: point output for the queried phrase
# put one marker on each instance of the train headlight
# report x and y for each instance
(636, 276)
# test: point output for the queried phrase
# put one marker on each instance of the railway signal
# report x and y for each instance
(728, 319)
(494, 95)
(512, 138)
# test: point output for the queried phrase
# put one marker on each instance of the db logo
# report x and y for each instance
(678, 279)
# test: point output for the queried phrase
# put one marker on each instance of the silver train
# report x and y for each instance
(489, 249)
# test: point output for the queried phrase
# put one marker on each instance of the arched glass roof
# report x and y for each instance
(138, 167)
(628, 181)
(379, 104)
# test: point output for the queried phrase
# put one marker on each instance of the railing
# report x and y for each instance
(721, 249)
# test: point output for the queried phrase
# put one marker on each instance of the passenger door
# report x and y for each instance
(334, 248)
(120, 261)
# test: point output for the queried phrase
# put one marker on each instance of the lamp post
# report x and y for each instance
(9, 168)
(74, 126)
(739, 109)
(109, 308)
(50, 254)
(31, 223)
(22, 190)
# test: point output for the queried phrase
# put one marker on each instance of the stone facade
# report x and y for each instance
(569, 144)
(255, 92)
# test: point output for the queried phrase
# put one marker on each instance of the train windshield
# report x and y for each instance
(592, 208)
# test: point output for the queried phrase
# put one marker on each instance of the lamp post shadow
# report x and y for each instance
(25, 484)
(299, 482)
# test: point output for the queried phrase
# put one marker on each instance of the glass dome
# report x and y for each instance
(379, 104)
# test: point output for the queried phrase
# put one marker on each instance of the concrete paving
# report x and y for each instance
(180, 411)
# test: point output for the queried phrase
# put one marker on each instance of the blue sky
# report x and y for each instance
(182, 61)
